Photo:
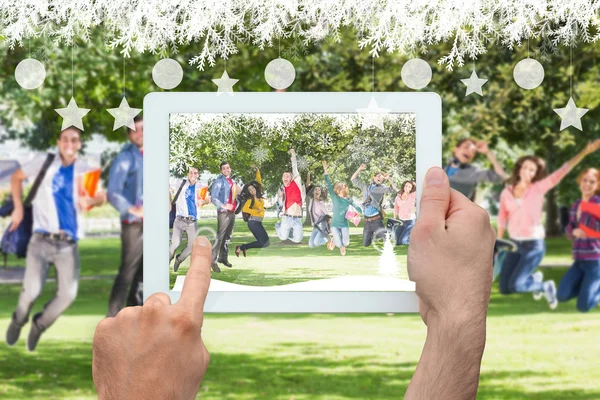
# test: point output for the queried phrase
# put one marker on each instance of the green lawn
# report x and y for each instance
(532, 353)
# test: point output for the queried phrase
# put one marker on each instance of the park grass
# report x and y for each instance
(531, 353)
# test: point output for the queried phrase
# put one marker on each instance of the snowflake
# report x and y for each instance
(407, 27)
(325, 141)
(260, 155)
(302, 163)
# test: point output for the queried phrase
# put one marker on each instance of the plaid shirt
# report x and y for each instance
(584, 249)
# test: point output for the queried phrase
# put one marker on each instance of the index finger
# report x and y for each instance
(197, 279)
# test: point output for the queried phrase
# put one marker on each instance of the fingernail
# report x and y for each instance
(434, 177)
(201, 241)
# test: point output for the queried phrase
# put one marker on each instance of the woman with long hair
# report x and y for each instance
(405, 210)
(319, 216)
(254, 207)
(582, 280)
(341, 203)
(521, 208)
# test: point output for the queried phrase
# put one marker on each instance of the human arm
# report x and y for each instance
(116, 183)
(396, 206)
(214, 195)
(450, 261)
(328, 180)
(133, 353)
(392, 188)
(358, 171)
(16, 187)
(483, 148)
(554, 179)
(502, 214)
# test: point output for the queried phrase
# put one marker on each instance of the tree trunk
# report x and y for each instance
(308, 221)
(552, 226)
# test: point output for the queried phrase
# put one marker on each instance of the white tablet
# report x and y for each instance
(297, 244)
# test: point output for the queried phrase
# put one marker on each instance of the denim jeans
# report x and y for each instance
(290, 223)
(41, 252)
(373, 229)
(517, 267)
(260, 234)
(341, 236)
(582, 280)
(316, 238)
(403, 231)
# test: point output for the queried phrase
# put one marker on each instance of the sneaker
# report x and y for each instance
(226, 263)
(34, 334)
(215, 267)
(13, 332)
(343, 251)
(550, 294)
(176, 265)
(538, 277)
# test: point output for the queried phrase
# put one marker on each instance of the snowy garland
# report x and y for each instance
(381, 25)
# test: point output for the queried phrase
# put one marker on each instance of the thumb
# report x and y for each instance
(435, 199)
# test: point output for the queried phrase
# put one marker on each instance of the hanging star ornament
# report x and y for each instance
(225, 84)
(373, 115)
(124, 115)
(474, 84)
(571, 115)
(72, 115)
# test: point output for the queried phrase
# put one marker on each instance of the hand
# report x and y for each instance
(482, 147)
(137, 211)
(228, 207)
(84, 203)
(324, 165)
(386, 177)
(16, 218)
(254, 167)
(450, 255)
(292, 152)
(362, 167)
(579, 234)
(156, 351)
(592, 146)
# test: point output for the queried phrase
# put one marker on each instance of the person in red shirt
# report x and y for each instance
(291, 197)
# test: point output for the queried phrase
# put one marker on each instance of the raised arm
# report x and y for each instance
(328, 180)
(358, 171)
(258, 177)
(295, 173)
(483, 148)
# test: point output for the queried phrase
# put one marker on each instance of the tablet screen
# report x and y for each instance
(300, 201)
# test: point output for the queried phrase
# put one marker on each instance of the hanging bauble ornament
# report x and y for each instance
(528, 73)
(167, 74)
(416, 73)
(280, 73)
(30, 74)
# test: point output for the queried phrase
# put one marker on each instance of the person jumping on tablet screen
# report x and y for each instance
(464, 176)
(291, 198)
(186, 215)
(450, 261)
(57, 228)
(521, 208)
(582, 280)
(317, 208)
(254, 213)
(125, 189)
(405, 211)
(341, 203)
(223, 195)
(373, 194)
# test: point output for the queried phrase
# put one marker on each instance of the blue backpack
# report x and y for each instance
(16, 242)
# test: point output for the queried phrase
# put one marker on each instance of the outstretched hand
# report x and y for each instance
(156, 350)
(592, 146)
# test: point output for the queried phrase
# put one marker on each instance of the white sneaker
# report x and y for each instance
(538, 277)
(550, 294)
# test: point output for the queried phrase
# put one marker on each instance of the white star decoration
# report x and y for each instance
(124, 115)
(225, 84)
(571, 115)
(474, 84)
(72, 115)
(373, 115)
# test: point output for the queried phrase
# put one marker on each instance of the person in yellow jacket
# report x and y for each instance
(254, 209)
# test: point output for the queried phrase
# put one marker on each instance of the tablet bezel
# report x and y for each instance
(157, 108)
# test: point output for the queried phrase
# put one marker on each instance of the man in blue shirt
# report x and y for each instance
(57, 228)
(223, 196)
(187, 205)
(125, 186)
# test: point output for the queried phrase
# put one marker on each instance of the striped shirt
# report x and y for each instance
(584, 249)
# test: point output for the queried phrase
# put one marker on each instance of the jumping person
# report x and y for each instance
(186, 215)
(521, 207)
(57, 228)
(341, 203)
(223, 194)
(405, 206)
(463, 175)
(254, 207)
(291, 198)
(319, 217)
(125, 188)
(373, 194)
(582, 280)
